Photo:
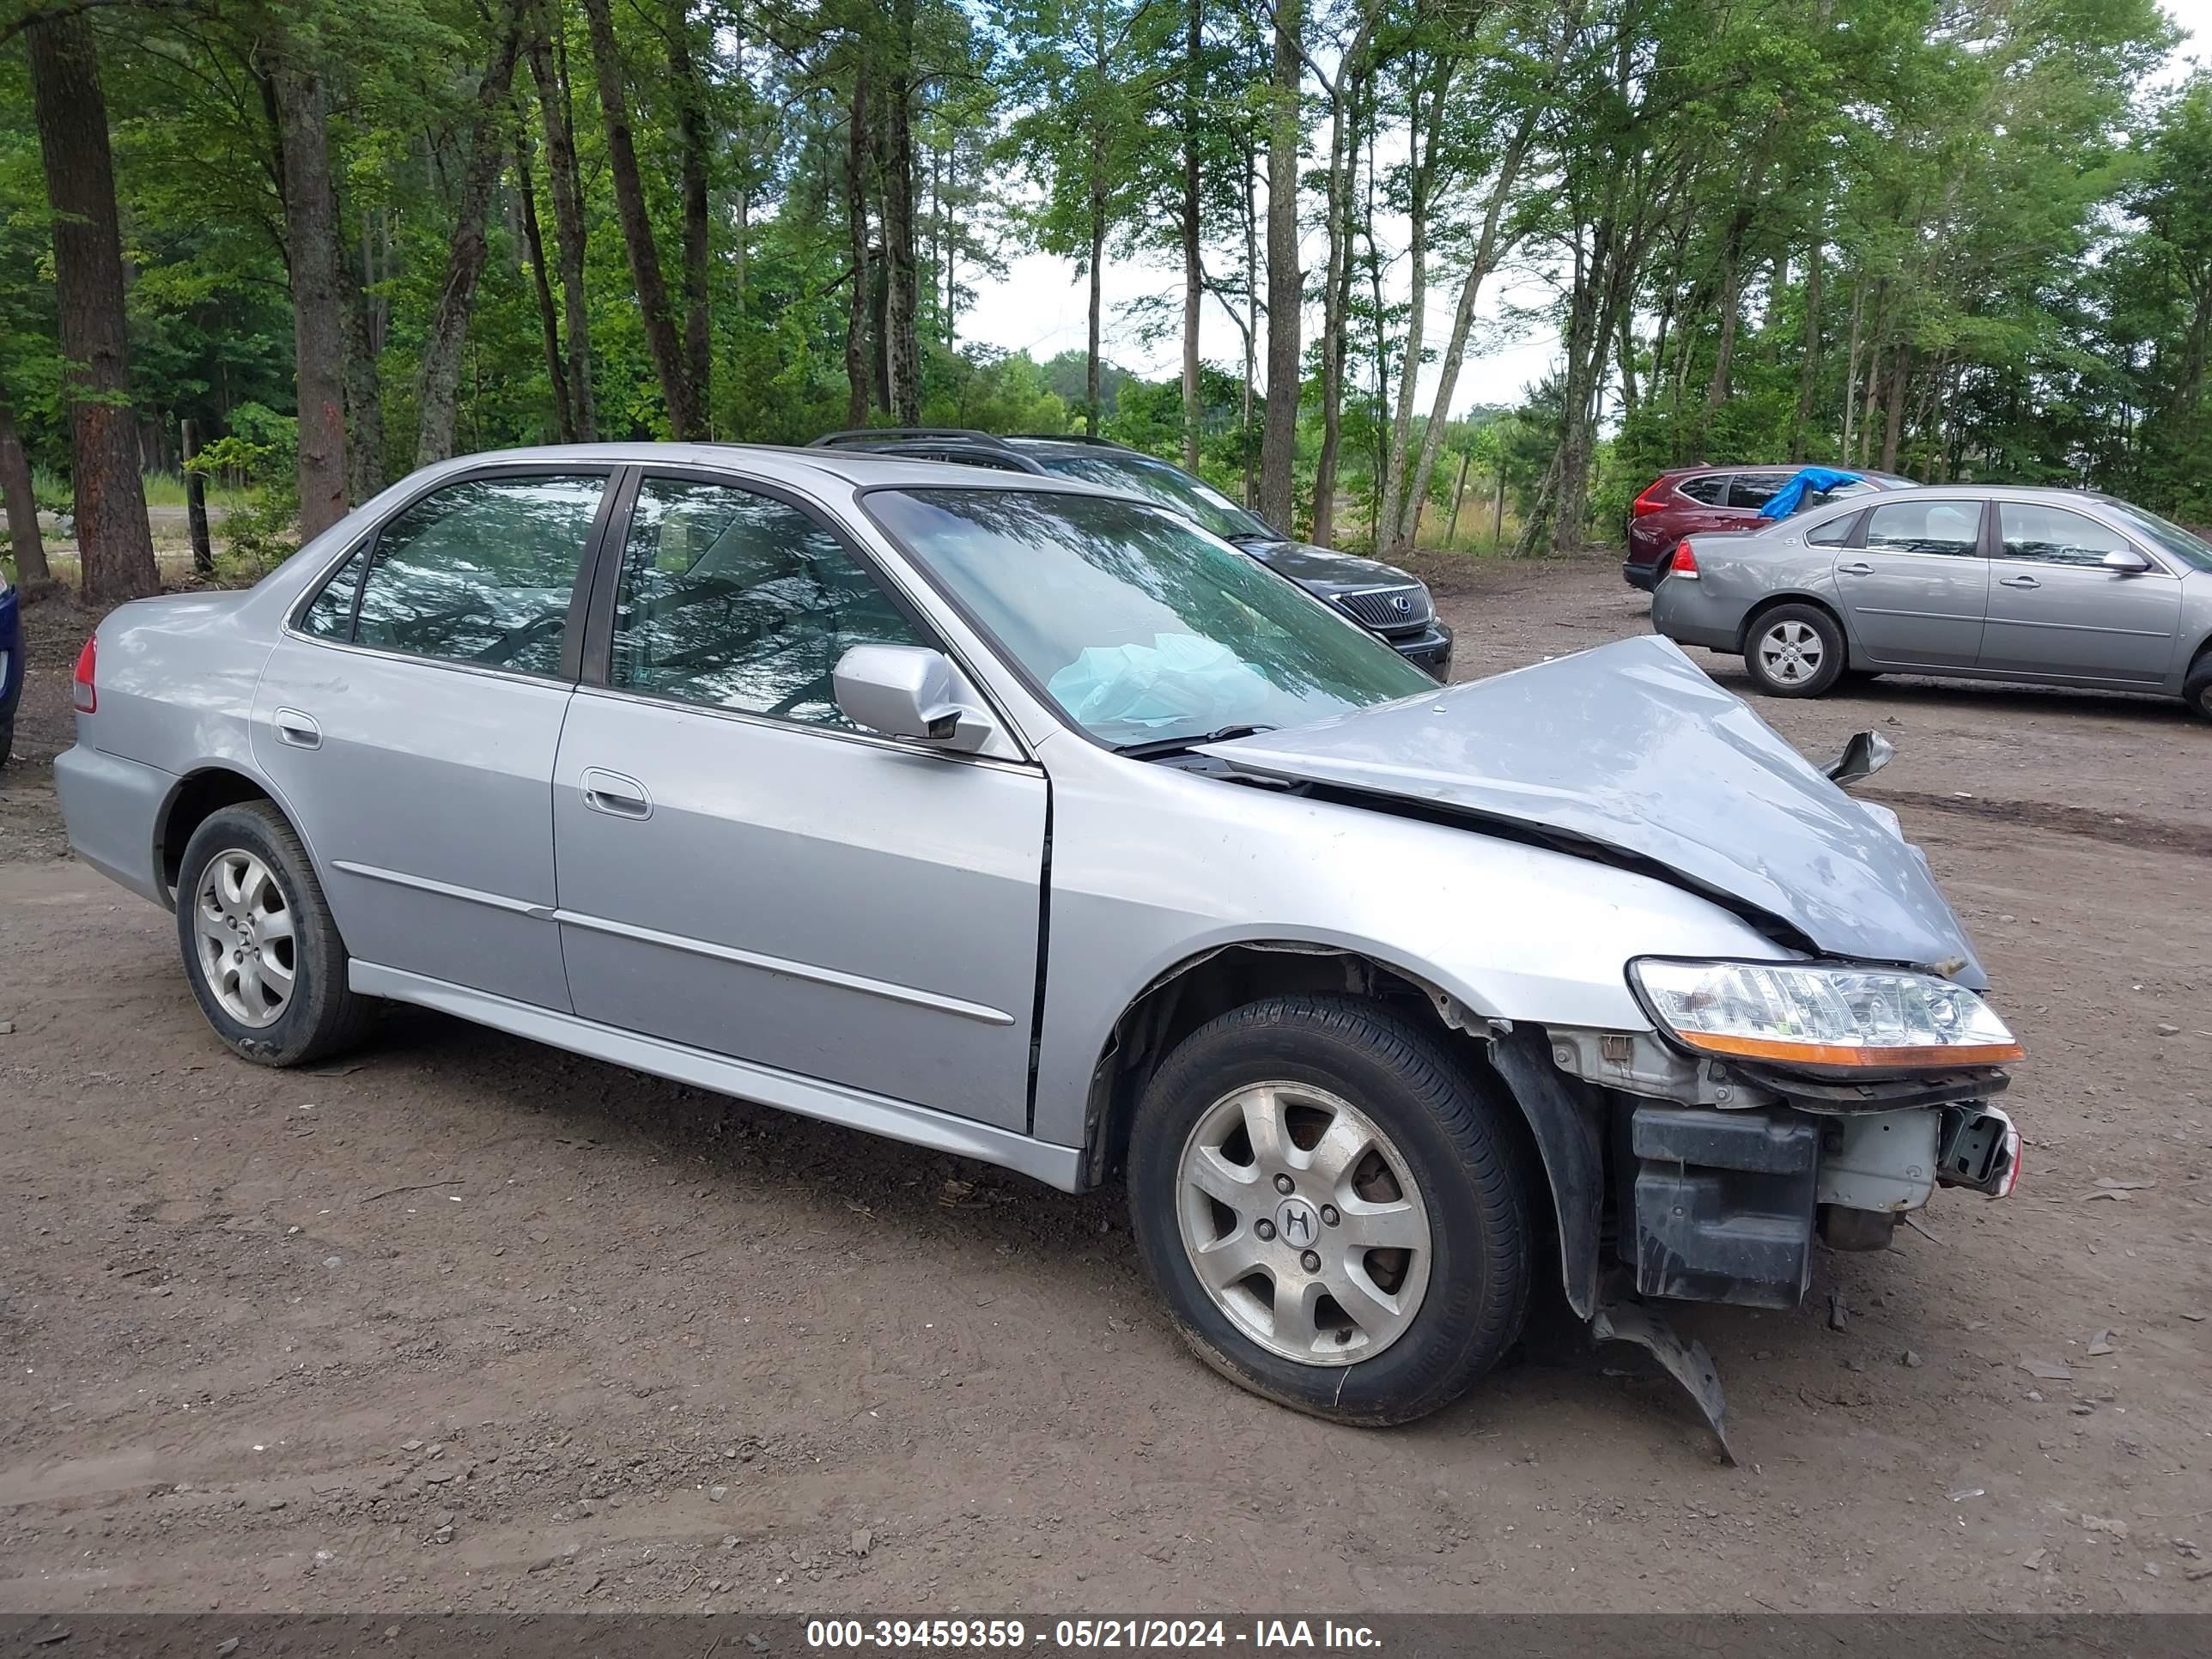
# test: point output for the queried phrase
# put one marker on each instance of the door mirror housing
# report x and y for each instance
(2125, 561)
(912, 692)
(1866, 754)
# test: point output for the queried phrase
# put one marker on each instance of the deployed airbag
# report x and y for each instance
(1178, 680)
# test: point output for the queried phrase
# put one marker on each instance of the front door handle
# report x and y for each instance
(1854, 570)
(2018, 581)
(616, 795)
(297, 729)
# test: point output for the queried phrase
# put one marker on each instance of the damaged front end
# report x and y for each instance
(1678, 1177)
(1815, 1094)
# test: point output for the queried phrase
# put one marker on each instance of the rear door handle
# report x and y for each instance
(2018, 581)
(1854, 570)
(297, 729)
(616, 795)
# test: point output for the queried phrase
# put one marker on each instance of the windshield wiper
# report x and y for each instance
(1157, 747)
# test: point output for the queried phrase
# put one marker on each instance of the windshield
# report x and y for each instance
(1140, 627)
(2190, 549)
(1172, 488)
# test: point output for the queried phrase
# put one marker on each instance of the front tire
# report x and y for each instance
(1333, 1207)
(1795, 651)
(2197, 689)
(263, 954)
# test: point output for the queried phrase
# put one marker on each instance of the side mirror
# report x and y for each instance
(1866, 754)
(2125, 561)
(913, 692)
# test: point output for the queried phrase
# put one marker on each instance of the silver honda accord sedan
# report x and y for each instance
(1019, 820)
(2045, 586)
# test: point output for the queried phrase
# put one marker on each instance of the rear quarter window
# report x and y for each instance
(1712, 489)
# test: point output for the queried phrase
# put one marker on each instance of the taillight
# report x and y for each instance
(82, 692)
(1649, 501)
(1684, 561)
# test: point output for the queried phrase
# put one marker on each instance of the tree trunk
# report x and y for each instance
(1899, 378)
(196, 517)
(364, 397)
(1459, 495)
(903, 292)
(660, 337)
(22, 506)
(319, 297)
(549, 321)
(1809, 371)
(1090, 377)
(1486, 255)
(692, 143)
(1251, 321)
(1193, 274)
(1336, 284)
(858, 371)
(115, 545)
(1851, 371)
(567, 218)
(1397, 524)
(438, 388)
(1278, 442)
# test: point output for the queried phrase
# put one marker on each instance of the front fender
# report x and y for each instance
(1152, 867)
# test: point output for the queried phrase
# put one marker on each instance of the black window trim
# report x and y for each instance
(599, 622)
(572, 632)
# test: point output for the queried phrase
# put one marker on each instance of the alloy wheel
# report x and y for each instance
(1791, 652)
(243, 927)
(1303, 1223)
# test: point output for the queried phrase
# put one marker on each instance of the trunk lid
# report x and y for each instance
(1631, 747)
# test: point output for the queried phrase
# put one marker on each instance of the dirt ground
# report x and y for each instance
(460, 1322)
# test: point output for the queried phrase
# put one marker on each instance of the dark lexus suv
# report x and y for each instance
(1380, 597)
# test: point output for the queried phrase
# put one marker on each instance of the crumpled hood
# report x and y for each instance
(1631, 746)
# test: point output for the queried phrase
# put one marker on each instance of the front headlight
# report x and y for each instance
(1809, 1014)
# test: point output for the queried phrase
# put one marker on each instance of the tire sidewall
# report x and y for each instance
(284, 1040)
(1431, 1362)
(1832, 643)
(2197, 689)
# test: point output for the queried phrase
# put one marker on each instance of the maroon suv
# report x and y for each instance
(1697, 501)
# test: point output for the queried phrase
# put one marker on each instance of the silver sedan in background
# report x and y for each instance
(2045, 586)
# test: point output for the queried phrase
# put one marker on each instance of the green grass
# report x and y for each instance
(163, 489)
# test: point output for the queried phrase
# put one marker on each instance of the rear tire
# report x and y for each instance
(1795, 651)
(1369, 1129)
(7, 739)
(263, 954)
(2196, 691)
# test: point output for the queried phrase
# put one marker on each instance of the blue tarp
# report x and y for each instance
(1811, 481)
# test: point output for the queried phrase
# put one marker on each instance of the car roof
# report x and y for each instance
(858, 468)
(1779, 468)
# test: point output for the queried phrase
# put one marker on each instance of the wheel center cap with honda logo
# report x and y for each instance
(1297, 1224)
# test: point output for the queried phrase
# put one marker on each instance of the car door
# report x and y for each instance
(409, 715)
(1914, 583)
(742, 871)
(2056, 610)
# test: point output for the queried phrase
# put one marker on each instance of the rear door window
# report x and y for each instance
(1951, 528)
(480, 572)
(1835, 533)
(1710, 488)
(1753, 490)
